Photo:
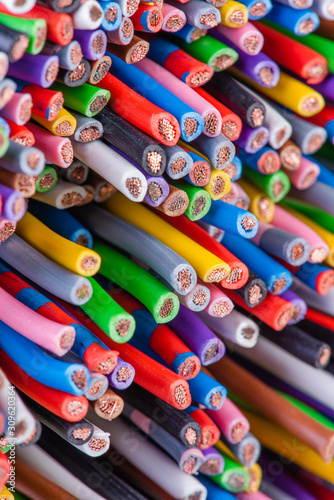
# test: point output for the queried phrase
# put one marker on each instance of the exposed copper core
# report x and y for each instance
(154, 160)
(98, 44)
(106, 365)
(64, 128)
(98, 103)
(105, 190)
(97, 444)
(67, 152)
(176, 202)
(33, 160)
(76, 54)
(190, 436)
(209, 20)
(296, 313)
(83, 292)
(311, 104)
(100, 71)
(279, 285)
(248, 223)
(200, 173)
(5, 95)
(46, 181)
(88, 263)
(211, 352)
(154, 17)
(131, 6)
(199, 206)
(216, 400)
(200, 78)
(90, 133)
(316, 71)
(180, 395)
(40, 37)
(95, 13)
(266, 75)
(306, 26)
(66, 340)
(19, 47)
(134, 185)
(52, 72)
(254, 294)
(154, 191)
(24, 141)
(187, 368)
(174, 23)
(71, 199)
(18, 205)
(184, 278)
(190, 126)
(122, 327)
(240, 203)
(90, 193)
(257, 117)
(77, 73)
(223, 156)
(178, 165)
(166, 129)
(318, 255)
(56, 107)
(229, 129)
(330, 8)
(300, 3)
(253, 486)
(284, 318)
(248, 332)
(258, 140)
(211, 123)
(324, 356)
(80, 379)
(307, 181)
(258, 9)
(251, 43)
(166, 308)
(200, 297)
(95, 388)
(217, 275)
(269, 165)
(218, 185)
(189, 465)
(278, 187)
(280, 134)
(291, 157)
(6, 231)
(64, 3)
(221, 308)
(127, 28)
(81, 433)
(75, 407)
(138, 53)
(248, 453)
(109, 406)
(328, 280)
(223, 62)
(237, 17)
(124, 373)
(314, 143)
(236, 482)
(297, 251)
(234, 276)
(4, 442)
(211, 467)
(82, 240)
(111, 15)
(20, 428)
(230, 170)
(205, 438)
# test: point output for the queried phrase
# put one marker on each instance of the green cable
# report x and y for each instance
(32, 28)
(86, 99)
(108, 315)
(321, 45)
(199, 199)
(326, 151)
(276, 185)
(323, 218)
(210, 51)
(234, 478)
(308, 410)
(163, 304)
(46, 179)
(5, 142)
(20, 496)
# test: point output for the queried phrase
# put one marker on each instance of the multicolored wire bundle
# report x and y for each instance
(167, 249)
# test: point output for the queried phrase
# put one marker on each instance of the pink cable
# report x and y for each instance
(18, 109)
(245, 37)
(57, 150)
(305, 176)
(168, 12)
(232, 423)
(220, 304)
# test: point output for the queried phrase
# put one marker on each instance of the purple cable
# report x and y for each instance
(252, 139)
(122, 376)
(284, 481)
(213, 462)
(14, 205)
(326, 87)
(39, 69)
(93, 43)
(298, 303)
(259, 68)
(198, 337)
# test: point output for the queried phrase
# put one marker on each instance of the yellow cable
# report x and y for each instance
(289, 92)
(260, 205)
(6, 494)
(255, 478)
(207, 266)
(289, 447)
(63, 125)
(64, 252)
(234, 14)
